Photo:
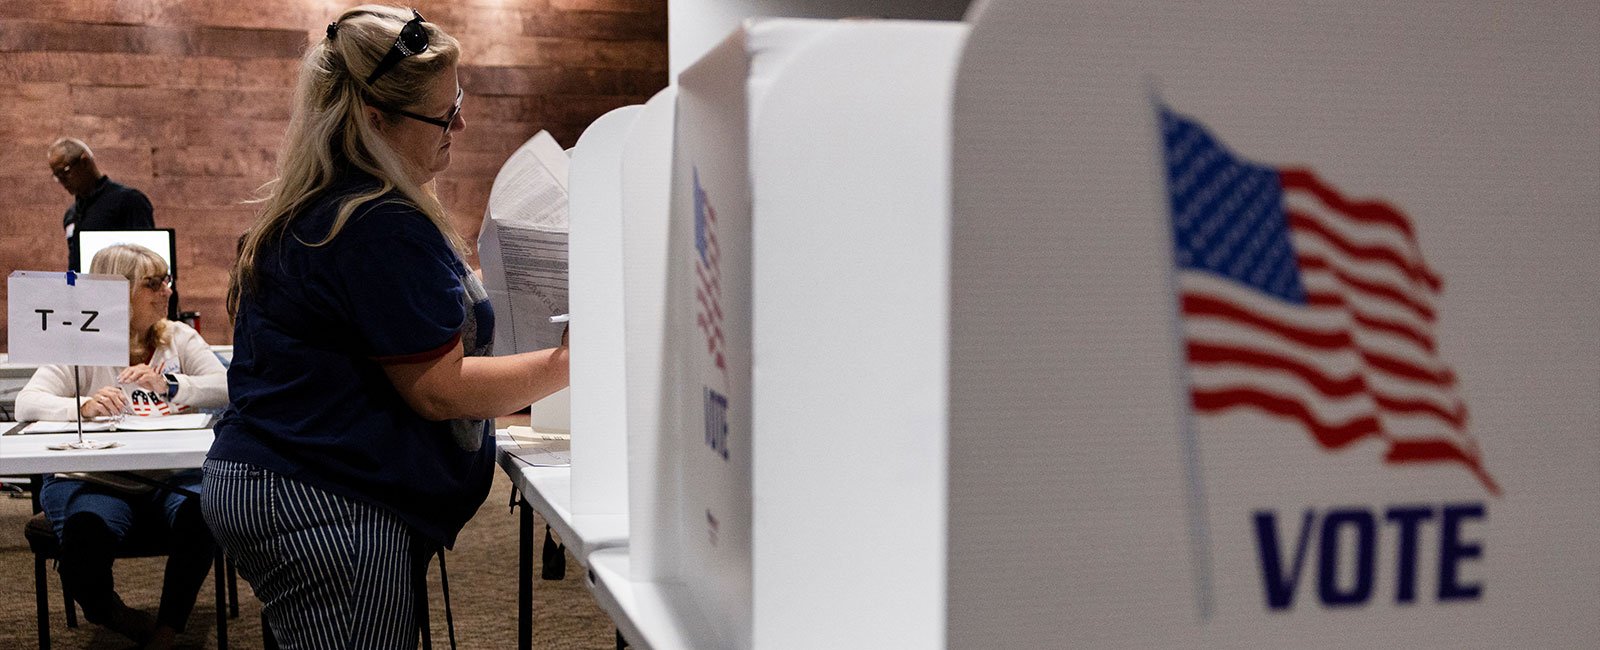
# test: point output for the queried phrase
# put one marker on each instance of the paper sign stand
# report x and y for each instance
(82, 319)
(80, 443)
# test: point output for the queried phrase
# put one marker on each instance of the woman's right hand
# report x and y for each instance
(105, 402)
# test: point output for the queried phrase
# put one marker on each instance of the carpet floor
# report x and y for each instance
(483, 593)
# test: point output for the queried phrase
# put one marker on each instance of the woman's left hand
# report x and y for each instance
(143, 376)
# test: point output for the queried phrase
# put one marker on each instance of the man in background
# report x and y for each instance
(99, 203)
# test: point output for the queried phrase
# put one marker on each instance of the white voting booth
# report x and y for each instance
(759, 495)
(587, 503)
(850, 166)
(1088, 325)
(1263, 329)
(646, 202)
(599, 422)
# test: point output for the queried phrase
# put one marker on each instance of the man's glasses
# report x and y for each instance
(413, 40)
(62, 171)
(442, 122)
(156, 282)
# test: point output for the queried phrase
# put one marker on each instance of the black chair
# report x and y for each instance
(42, 540)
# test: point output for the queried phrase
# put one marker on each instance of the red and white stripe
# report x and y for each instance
(1358, 361)
(709, 293)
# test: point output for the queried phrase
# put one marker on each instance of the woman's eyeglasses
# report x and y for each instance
(442, 122)
(156, 282)
(413, 40)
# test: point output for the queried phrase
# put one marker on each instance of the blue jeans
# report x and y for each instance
(94, 522)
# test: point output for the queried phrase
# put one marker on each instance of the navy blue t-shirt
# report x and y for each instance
(308, 395)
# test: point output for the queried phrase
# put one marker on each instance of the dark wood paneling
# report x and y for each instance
(146, 70)
(54, 36)
(188, 101)
(516, 80)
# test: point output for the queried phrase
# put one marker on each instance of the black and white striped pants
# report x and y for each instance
(331, 572)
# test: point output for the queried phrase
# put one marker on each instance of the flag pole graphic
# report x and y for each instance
(1195, 497)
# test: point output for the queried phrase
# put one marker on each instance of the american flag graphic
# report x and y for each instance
(708, 291)
(1304, 304)
(147, 403)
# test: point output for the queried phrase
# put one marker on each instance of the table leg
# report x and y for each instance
(218, 576)
(525, 577)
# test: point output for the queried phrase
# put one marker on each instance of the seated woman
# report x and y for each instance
(170, 370)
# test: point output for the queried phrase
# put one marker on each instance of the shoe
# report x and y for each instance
(132, 623)
(162, 639)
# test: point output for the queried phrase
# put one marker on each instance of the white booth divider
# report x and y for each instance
(1208, 325)
(599, 425)
(646, 204)
(838, 133)
(704, 485)
(850, 158)
(1274, 326)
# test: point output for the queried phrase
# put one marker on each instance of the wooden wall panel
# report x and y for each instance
(187, 100)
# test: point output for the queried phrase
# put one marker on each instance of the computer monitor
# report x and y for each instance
(160, 240)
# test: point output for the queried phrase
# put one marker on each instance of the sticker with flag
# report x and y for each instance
(708, 317)
(1298, 302)
(708, 270)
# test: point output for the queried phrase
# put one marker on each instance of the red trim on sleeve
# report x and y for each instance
(420, 357)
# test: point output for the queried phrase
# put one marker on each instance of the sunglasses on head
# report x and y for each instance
(413, 40)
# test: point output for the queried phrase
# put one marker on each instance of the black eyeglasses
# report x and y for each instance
(442, 122)
(413, 40)
(155, 282)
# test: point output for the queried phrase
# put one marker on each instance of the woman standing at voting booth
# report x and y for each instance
(357, 443)
(170, 370)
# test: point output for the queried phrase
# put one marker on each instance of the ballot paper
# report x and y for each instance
(523, 247)
(539, 448)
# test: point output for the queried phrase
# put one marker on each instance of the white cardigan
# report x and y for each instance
(202, 381)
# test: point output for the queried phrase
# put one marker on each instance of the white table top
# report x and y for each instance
(15, 370)
(549, 492)
(29, 454)
(645, 611)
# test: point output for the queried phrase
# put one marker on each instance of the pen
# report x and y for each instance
(561, 318)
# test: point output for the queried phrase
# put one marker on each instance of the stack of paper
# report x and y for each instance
(523, 247)
(143, 423)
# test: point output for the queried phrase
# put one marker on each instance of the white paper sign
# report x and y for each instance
(83, 323)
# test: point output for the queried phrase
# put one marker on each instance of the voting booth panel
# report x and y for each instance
(1264, 330)
(599, 427)
(705, 383)
(810, 194)
(849, 159)
(646, 201)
